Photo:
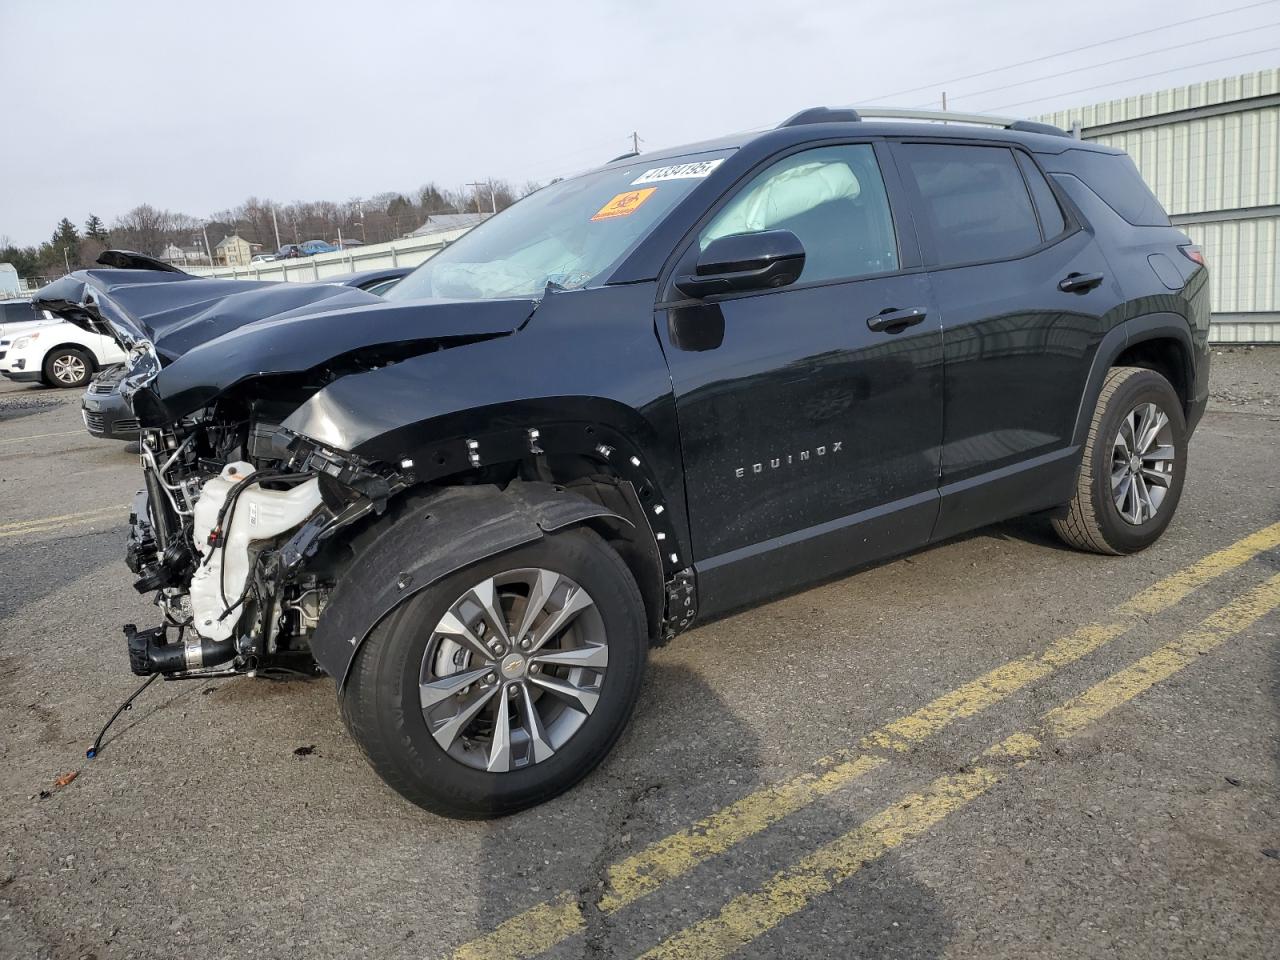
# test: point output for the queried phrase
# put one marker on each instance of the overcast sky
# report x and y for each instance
(195, 107)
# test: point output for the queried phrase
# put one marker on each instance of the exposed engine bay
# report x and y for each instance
(230, 535)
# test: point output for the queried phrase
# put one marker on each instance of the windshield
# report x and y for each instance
(567, 234)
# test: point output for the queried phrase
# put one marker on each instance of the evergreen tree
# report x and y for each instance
(63, 249)
(66, 235)
(95, 230)
(26, 260)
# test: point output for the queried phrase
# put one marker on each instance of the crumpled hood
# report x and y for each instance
(177, 311)
(209, 335)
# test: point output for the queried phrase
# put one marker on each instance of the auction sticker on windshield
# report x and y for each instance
(624, 204)
(678, 171)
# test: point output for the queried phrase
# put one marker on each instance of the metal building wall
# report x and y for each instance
(1211, 153)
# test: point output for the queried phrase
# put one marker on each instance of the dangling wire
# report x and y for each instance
(127, 705)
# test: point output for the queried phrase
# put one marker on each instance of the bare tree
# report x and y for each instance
(143, 229)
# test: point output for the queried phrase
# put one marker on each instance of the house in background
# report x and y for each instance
(182, 256)
(234, 251)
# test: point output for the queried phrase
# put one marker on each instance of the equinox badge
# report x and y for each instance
(787, 459)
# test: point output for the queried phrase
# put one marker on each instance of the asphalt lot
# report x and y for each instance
(996, 747)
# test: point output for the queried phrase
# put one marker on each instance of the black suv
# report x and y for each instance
(671, 387)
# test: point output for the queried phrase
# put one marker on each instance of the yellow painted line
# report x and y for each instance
(1122, 687)
(992, 687)
(548, 923)
(1165, 593)
(530, 933)
(748, 916)
(22, 528)
(44, 436)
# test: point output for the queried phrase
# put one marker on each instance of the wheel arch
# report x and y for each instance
(433, 532)
(94, 365)
(1158, 341)
(556, 440)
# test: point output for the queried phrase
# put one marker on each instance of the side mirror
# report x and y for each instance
(745, 261)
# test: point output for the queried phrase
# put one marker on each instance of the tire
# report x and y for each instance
(1095, 522)
(68, 367)
(385, 712)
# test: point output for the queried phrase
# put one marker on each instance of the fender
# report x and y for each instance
(1152, 326)
(437, 535)
(606, 433)
(442, 414)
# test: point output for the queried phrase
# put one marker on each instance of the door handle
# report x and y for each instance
(893, 320)
(1079, 282)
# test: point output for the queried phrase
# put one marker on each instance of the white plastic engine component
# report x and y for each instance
(258, 514)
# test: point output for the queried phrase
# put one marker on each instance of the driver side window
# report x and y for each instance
(832, 198)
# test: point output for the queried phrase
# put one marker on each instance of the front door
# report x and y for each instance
(810, 430)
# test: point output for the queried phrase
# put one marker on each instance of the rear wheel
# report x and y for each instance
(505, 683)
(67, 367)
(1135, 460)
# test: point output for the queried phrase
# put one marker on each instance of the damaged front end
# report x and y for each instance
(234, 536)
(234, 530)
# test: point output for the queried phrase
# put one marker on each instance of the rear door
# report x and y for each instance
(1025, 296)
(810, 440)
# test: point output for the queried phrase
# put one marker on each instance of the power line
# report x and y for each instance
(561, 161)
(1144, 76)
(1087, 46)
(1108, 63)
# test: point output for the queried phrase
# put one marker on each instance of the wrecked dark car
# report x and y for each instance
(640, 398)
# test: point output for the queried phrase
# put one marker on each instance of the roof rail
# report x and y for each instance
(828, 115)
(820, 115)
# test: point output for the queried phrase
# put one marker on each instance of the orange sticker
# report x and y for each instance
(624, 204)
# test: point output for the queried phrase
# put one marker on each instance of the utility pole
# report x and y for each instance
(493, 199)
(944, 101)
(204, 229)
(635, 142)
(66, 259)
(276, 226)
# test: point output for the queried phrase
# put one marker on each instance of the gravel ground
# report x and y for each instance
(204, 831)
(1245, 380)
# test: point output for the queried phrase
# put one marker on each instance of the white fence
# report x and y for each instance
(408, 252)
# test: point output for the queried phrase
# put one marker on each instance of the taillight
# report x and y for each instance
(1193, 253)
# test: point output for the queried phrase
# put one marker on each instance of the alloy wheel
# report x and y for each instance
(1142, 463)
(513, 669)
(69, 369)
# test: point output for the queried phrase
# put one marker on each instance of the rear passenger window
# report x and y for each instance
(975, 201)
(1052, 222)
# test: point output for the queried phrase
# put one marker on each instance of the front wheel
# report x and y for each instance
(505, 683)
(68, 367)
(1135, 462)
